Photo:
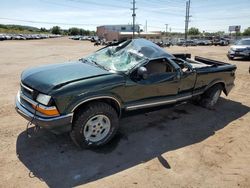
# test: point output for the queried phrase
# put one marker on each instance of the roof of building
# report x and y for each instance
(141, 33)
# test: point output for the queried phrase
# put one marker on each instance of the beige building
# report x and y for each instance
(124, 32)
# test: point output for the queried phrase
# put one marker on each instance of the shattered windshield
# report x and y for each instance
(117, 58)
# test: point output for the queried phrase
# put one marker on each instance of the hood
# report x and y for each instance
(240, 46)
(45, 78)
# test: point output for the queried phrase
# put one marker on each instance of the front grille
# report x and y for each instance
(240, 50)
(28, 92)
(27, 96)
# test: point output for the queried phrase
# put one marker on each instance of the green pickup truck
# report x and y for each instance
(88, 96)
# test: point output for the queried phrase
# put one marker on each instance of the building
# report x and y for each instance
(123, 32)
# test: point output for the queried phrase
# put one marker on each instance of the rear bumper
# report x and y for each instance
(56, 125)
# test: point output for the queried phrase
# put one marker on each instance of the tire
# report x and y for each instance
(94, 125)
(211, 96)
(230, 58)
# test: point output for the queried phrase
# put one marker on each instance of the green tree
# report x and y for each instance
(43, 29)
(193, 31)
(246, 32)
(56, 30)
(81, 31)
(74, 31)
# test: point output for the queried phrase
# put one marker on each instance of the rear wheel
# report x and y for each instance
(94, 125)
(211, 96)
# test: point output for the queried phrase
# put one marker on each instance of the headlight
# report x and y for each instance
(43, 99)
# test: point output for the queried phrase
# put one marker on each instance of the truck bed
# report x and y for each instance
(200, 62)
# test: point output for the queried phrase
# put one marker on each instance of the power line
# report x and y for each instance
(43, 22)
(98, 4)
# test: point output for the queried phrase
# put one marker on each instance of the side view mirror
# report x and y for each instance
(142, 72)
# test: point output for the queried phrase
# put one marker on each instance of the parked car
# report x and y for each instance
(168, 44)
(161, 44)
(186, 43)
(2, 37)
(203, 42)
(221, 42)
(190, 43)
(180, 42)
(76, 37)
(240, 49)
(88, 96)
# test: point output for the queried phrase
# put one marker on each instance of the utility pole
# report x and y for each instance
(146, 26)
(133, 15)
(187, 19)
(166, 28)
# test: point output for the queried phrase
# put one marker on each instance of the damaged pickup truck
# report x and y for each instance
(87, 97)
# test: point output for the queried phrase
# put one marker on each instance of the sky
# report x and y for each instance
(207, 15)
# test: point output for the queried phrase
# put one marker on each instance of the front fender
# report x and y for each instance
(81, 100)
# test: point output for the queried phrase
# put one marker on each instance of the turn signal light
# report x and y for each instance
(48, 111)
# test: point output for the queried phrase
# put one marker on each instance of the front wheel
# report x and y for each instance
(211, 96)
(94, 125)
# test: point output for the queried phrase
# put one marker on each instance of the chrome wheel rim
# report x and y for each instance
(216, 97)
(96, 128)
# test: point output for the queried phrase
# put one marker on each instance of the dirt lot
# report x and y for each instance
(186, 146)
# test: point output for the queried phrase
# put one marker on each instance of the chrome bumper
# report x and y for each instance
(57, 124)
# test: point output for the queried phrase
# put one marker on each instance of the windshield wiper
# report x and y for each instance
(85, 61)
(93, 62)
(101, 66)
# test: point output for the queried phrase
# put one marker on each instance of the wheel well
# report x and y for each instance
(223, 87)
(109, 101)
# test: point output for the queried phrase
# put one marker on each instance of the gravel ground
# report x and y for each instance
(185, 146)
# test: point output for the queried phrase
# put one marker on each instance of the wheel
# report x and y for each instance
(94, 125)
(230, 57)
(211, 96)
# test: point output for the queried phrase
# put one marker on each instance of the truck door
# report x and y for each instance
(162, 82)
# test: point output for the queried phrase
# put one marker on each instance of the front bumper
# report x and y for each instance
(232, 53)
(56, 125)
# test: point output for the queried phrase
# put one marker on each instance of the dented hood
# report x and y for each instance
(45, 78)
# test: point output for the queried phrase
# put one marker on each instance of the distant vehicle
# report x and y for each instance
(221, 42)
(190, 43)
(168, 44)
(94, 39)
(84, 38)
(76, 37)
(26, 36)
(160, 44)
(203, 42)
(87, 97)
(18, 37)
(97, 43)
(2, 37)
(240, 49)
(186, 43)
(181, 42)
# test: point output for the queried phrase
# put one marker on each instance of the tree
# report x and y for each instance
(43, 29)
(246, 32)
(193, 31)
(74, 31)
(56, 30)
